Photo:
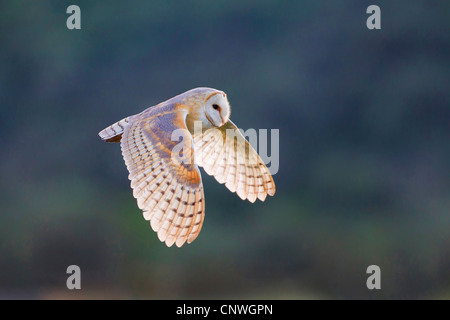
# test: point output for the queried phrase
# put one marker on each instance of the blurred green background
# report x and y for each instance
(364, 148)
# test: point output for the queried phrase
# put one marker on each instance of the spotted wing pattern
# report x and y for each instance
(225, 154)
(168, 187)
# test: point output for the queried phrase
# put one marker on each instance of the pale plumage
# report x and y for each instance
(162, 147)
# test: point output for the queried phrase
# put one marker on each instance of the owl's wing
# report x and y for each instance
(167, 185)
(225, 154)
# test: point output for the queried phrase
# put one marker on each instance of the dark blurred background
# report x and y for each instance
(364, 148)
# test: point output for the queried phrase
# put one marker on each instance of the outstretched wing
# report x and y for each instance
(158, 152)
(225, 154)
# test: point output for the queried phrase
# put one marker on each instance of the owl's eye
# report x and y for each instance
(216, 107)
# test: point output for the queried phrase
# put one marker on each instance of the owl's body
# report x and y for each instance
(163, 147)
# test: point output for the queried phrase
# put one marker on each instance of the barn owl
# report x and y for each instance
(164, 145)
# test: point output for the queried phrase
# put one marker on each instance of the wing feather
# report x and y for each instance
(234, 162)
(166, 185)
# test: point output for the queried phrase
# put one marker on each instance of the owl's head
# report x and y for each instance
(217, 108)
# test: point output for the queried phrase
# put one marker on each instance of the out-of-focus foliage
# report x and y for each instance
(364, 147)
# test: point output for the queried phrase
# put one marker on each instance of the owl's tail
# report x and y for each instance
(114, 132)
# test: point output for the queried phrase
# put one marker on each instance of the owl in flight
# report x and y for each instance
(163, 146)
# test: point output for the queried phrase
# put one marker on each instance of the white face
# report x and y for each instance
(217, 109)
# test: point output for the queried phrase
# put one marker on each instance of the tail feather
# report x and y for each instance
(114, 132)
